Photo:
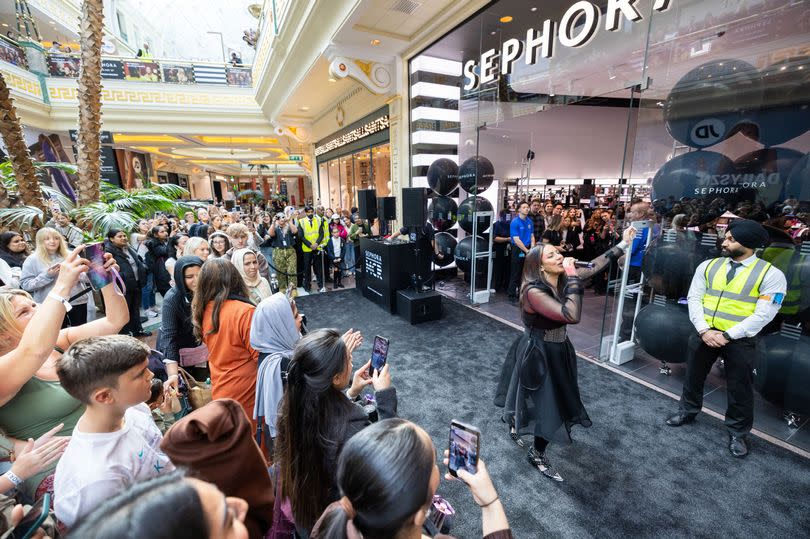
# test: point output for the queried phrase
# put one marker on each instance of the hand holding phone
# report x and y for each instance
(30, 523)
(464, 448)
(379, 355)
(98, 275)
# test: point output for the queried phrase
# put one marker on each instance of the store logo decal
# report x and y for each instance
(709, 131)
(717, 184)
(576, 28)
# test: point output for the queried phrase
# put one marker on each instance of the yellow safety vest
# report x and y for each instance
(727, 304)
(789, 260)
(312, 232)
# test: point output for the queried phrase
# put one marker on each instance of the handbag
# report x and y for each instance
(199, 393)
(191, 357)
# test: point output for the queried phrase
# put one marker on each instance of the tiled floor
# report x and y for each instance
(586, 339)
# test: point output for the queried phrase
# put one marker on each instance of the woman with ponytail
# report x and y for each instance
(387, 476)
(317, 418)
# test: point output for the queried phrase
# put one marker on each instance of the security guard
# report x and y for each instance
(311, 236)
(730, 300)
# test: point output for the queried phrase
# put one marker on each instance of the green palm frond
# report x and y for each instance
(170, 190)
(20, 216)
(65, 202)
(101, 218)
(67, 168)
(110, 192)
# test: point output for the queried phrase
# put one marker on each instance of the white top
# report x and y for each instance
(97, 466)
(773, 282)
(336, 245)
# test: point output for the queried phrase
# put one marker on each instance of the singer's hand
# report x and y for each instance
(569, 266)
(629, 234)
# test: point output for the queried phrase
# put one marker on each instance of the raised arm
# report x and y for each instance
(566, 310)
(612, 254)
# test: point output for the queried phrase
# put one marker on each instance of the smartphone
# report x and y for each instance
(379, 355)
(464, 446)
(99, 277)
(32, 520)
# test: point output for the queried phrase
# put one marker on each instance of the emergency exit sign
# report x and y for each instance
(296, 157)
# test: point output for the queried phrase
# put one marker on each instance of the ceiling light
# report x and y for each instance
(304, 109)
(492, 33)
(505, 19)
(375, 42)
(534, 9)
(52, 22)
(332, 80)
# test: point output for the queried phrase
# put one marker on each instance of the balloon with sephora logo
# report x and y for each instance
(445, 244)
(476, 174)
(701, 174)
(443, 213)
(463, 254)
(474, 205)
(442, 176)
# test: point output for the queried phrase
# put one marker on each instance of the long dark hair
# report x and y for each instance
(312, 423)
(385, 472)
(167, 507)
(218, 281)
(6, 254)
(532, 274)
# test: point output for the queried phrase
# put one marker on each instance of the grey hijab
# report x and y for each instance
(273, 330)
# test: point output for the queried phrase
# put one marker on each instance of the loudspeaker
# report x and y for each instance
(387, 208)
(416, 307)
(367, 203)
(414, 206)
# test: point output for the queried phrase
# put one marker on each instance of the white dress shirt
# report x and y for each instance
(773, 282)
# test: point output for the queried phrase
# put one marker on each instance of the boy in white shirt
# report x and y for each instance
(115, 443)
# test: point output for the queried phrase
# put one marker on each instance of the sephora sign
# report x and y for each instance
(576, 28)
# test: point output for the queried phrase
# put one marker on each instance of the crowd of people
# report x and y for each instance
(73, 387)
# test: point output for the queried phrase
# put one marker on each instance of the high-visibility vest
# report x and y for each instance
(326, 233)
(312, 231)
(727, 304)
(789, 260)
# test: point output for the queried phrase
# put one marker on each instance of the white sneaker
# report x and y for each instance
(152, 314)
(322, 290)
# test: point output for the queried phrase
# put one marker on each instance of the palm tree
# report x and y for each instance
(21, 162)
(88, 144)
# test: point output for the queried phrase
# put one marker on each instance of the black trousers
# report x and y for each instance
(739, 357)
(336, 272)
(516, 273)
(501, 271)
(133, 297)
(313, 258)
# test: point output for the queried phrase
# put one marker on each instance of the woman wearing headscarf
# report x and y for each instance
(275, 331)
(13, 251)
(176, 333)
(247, 264)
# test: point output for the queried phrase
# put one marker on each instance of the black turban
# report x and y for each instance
(749, 233)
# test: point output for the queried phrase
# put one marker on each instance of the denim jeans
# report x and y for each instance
(148, 293)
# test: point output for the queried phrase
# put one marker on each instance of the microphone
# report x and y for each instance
(582, 264)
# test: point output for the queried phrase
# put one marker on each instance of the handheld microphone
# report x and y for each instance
(582, 264)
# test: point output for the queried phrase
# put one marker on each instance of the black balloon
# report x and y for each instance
(700, 174)
(445, 244)
(766, 172)
(669, 267)
(476, 174)
(443, 213)
(663, 331)
(708, 104)
(442, 176)
(464, 255)
(782, 372)
(785, 111)
(465, 214)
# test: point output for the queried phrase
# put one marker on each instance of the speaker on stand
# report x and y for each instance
(387, 212)
(367, 204)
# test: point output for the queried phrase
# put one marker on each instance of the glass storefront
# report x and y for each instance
(675, 115)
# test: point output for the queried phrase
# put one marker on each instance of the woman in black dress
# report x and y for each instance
(538, 385)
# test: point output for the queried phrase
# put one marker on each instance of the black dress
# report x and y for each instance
(538, 386)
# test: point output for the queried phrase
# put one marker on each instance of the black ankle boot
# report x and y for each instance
(540, 461)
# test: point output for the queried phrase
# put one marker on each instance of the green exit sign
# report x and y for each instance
(295, 157)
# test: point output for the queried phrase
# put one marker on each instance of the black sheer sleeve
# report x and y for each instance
(568, 311)
(601, 262)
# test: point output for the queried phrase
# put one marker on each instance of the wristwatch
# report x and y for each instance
(727, 336)
(63, 301)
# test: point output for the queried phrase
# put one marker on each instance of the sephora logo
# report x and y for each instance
(576, 28)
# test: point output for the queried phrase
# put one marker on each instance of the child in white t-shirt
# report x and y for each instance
(115, 443)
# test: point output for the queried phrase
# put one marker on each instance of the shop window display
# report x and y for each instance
(340, 178)
(700, 112)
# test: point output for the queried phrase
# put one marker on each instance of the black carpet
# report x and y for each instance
(628, 475)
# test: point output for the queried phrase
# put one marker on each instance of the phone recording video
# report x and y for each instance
(33, 519)
(99, 276)
(379, 355)
(464, 446)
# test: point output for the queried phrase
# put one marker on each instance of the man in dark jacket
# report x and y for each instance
(157, 251)
(133, 272)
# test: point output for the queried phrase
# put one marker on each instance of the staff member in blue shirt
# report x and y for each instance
(521, 231)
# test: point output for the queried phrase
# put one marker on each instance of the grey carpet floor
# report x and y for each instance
(629, 475)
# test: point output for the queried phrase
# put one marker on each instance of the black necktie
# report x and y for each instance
(732, 270)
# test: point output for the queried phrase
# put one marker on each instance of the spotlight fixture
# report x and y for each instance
(375, 42)
(505, 19)
(332, 80)
(534, 9)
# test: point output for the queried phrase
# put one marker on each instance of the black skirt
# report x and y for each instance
(538, 388)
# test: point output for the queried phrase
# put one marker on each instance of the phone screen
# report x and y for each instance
(33, 519)
(379, 355)
(98, 276)
(464, 446)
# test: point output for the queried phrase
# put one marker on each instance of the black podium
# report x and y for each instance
(388, 268)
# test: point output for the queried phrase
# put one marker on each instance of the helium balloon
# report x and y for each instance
(445, 244)
(465, 214)
(701, 174)
(663, 331)
(709, 103)
(785, 111)
(476, 174)
(464, 255)
(442, 176)
(669, 267)
(798, 184)
(766, 172)
(443, 213)
(782, 372)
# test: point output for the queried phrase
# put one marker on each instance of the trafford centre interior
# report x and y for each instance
(404, 268)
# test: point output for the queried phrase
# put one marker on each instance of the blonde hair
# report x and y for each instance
(41, 252)
(8, 320)
(238, 230)
(193, 244)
